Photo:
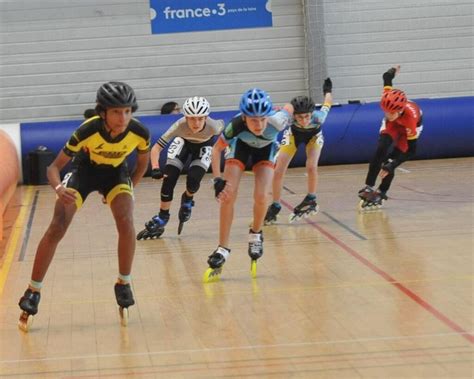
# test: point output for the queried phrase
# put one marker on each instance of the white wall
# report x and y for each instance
(54, 55)
(431, 39)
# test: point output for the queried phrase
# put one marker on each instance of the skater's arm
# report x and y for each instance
(155, 156)
(217, 149)
(140, 167)
(392, 163)
(53, 171)
(327, 92)
(388, 77)
(221, 186)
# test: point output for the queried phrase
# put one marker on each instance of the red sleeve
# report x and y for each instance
(412, 116)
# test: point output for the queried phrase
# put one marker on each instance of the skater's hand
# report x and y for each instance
(221, 189)
(66, 195)
(390, 74)
(157, 173)
(383, 173)
(387, 168)
(327, 86)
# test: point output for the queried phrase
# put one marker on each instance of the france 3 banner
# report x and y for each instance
(176, 16)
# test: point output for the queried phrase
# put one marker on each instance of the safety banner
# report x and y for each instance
(177, 16)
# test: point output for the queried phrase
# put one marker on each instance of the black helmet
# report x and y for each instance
(116, 95)
(303, 104)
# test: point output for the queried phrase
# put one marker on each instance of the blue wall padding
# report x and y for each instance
(350, 132)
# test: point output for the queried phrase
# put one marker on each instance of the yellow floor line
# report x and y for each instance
(15, 237)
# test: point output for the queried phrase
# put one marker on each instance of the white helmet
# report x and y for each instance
(196, 107)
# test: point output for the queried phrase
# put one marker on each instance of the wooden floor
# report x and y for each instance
(386, 294)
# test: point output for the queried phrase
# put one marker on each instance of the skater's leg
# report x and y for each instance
(171, 175)
(283, 160)
(396, 159)
(193, 182)
(62, 217)
(263, 182)
(122, 210)
(194, 178)
(313, 152)
(232, 174)
(385, 141)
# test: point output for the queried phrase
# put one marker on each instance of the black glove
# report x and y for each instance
(388, 76)
(327, 86)
(219, 185)
(156, 173)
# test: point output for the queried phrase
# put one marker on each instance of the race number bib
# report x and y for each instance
(205, 155)
(175, 148)
(285, 141)
(320, 141)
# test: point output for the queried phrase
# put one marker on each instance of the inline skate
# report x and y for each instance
(155, 227)
(306, 208)
(29, 306)
(216, 262)
(185, 210)
(124, 296)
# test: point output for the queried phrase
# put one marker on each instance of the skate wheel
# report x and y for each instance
(25, 322)
(141, 235)
(293, 218)
(180, 227)
(123, 316)
(253, 268)
(212, 275)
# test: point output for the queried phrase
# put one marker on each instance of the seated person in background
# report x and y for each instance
(170, 107)
(89, 113)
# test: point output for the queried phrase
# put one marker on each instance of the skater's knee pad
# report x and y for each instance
(193, 180)
(169, 182)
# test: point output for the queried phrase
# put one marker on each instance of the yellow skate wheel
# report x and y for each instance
(211, 275)
(253, 268)
(123, 316)
(25, 322)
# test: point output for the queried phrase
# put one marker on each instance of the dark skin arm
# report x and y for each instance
(65, 195)
(140, 167)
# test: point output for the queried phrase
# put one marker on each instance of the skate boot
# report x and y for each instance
(155, 227)
(185, 211)
(216, 261)
(255, 250)
(124, 296)
(29, 306)
(370, 199)
(272, 212)
(306, 208)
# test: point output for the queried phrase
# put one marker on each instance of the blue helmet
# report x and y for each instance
(255, 103)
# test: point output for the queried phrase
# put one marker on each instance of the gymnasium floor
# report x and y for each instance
(385, 294)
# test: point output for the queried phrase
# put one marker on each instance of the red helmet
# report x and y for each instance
(393, 101)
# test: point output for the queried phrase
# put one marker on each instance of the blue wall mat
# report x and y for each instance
(350, 131)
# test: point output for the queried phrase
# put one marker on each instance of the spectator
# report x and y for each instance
(88, 113)
(170, 107)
